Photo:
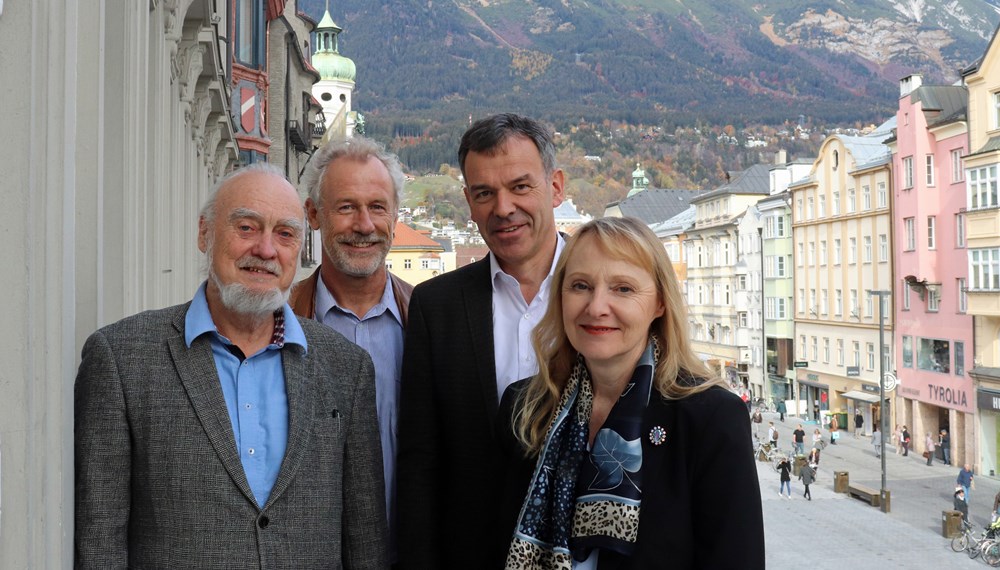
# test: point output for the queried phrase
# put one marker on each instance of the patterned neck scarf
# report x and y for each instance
(578, 501)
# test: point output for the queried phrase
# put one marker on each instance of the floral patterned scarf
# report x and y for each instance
(580, 500)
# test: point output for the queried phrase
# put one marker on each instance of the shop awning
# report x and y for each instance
(858, 395)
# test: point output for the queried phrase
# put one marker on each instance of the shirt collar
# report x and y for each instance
(326, 301)
(198, 321)
(496, 271)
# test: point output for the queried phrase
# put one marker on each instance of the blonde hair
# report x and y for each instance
(679, 372)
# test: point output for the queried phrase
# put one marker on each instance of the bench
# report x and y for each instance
(867, 494)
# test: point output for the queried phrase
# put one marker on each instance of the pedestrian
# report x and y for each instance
(781, 409)
(785, 468)
(859, 423)
(772, 435)
(905, 438)
(814, 458)
(799, 440)
(745, 396)
(929, 448)
(817, 438)
(944, 442)
(897, 439)
(877, 441)
(834, 426)
(807, 475)
(966, 480)
(961, 504)
(757, 419)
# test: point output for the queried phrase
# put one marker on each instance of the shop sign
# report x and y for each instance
(869, 388)
(801, 364)
(988, 400)
(776, 378)
(853, 371)
(813, 377)
(945, 395)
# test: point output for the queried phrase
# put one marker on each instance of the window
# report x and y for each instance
(867, 249)
(931, 227)
(996, 110)
(906, 295)
(810, 208)
(870, 305)
(743, 319)
(886, 306)
(775, 307)
(800, 211)
(812, 253)
(883, 195)
(815, 347)
(852, 251)
(983, 187)
(248, 33)
(866, 197)
(963, 295)
(907, 172)
(836, 203)
(425, 264)
(929, 169)
(802, 346)
(836, 251)
(780, 226)
(840, 352)
(907, 351)
(822, 206)
(407, 264)
(934, 355)
(780, 265)
(984, 269)
(741, 282)
(388, 264)
(933, 299)
(959, 230)
(851, 205)
(871, 355)
(854, 303)
(883, 248)
(812, 301)
(824, 300)
(802, 253)
(781, 307)
(822, 253)
(957, 172)
(910, 233)
(886, 358)
(857, 353)
(959, 358)
(826, 350)
(838, 302)
(802, 300)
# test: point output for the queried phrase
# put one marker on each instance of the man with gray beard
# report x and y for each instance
(227, 432)
(355, 187)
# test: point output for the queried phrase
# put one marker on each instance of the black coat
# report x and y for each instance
(701, 506)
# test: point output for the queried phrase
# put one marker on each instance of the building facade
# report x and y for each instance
(982, 227)
(935, 389)
(123, 115)
(841, 224)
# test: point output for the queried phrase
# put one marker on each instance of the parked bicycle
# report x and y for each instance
(984, 543)
(765, 451)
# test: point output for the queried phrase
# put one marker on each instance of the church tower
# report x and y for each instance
(336, 84)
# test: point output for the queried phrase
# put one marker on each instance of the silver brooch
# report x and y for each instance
(657, 435)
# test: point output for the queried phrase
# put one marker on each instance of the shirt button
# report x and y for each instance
(250, 451)
(248, 406)
(527, 315)
(263, 521)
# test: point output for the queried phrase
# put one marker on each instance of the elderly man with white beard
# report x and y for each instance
(227, 432)
(355, 187)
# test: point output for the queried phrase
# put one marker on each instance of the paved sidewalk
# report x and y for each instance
(837, 532)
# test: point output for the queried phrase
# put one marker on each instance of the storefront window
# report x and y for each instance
(907, 351)
(959, 358)
(934, 355)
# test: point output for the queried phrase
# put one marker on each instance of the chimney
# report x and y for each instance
(909, 84)
(781, 157)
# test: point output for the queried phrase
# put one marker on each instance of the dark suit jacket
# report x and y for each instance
(701, 504)
(159, 482)
(446, 475)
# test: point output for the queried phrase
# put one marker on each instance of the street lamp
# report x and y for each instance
(881, 391)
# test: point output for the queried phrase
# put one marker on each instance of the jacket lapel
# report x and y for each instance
(198, 374)
(299, 386)
(478, 298)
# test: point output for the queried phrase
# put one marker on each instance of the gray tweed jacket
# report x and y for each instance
(159, 483)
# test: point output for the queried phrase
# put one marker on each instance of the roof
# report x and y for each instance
(407, 237)
(654, 205)
(567, 212)
(677, 224)
(754, 180)
(951, 102)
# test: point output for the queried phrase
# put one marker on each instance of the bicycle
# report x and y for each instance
(767, 452)
(985, 543)
(763, 406)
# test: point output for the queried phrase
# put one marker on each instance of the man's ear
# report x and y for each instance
(312, 213)
(203, 229)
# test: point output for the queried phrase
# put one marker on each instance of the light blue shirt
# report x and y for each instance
(380, 332)
(254, 389)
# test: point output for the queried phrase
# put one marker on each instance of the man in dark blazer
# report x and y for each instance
(225, 432)
(467, 339)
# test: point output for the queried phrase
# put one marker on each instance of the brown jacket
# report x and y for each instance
(303, 297)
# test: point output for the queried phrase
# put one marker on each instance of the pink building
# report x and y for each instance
(933, 339)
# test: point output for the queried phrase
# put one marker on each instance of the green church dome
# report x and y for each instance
(327, 59)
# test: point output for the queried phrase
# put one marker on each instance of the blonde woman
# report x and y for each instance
(624, 451)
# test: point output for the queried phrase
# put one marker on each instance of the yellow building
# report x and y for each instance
(414, 257)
